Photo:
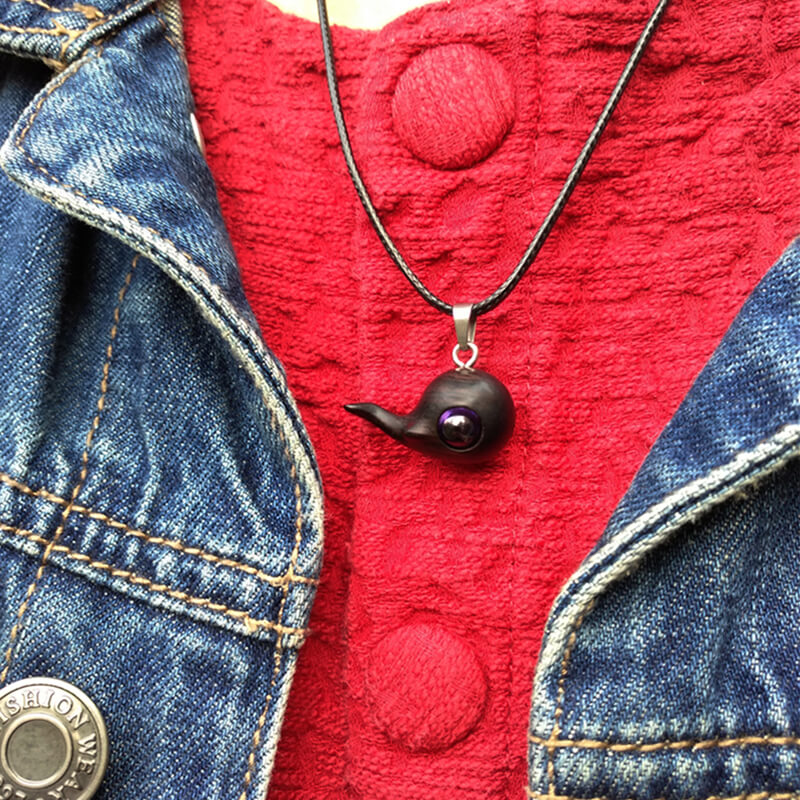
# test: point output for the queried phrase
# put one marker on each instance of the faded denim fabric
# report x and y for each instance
(670, 666)
(160, 506)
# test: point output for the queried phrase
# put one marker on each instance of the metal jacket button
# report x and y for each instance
(53, 741)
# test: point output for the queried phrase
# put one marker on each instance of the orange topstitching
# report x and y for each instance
(81, 478)
(174, 544)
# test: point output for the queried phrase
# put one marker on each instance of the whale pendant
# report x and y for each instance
(464, 414)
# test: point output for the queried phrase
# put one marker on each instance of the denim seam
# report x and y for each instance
(70, 34)
(174, 544)
(766, 795)
(84, 471)
(764, 739)
(251, 758)
(556, 730)
(61, 30)
(220, 308)
(251, 623)
(278, 656)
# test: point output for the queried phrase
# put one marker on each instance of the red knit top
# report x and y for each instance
(465, 118)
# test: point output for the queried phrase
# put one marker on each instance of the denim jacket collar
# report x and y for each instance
(133, 67)
(739, 420)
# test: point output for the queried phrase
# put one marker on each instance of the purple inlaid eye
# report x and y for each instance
(459, 427)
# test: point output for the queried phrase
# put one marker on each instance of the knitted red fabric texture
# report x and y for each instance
(466, 116)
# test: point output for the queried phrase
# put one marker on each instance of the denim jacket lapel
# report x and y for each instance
(740, 419)
(739, 423)
(109, 140)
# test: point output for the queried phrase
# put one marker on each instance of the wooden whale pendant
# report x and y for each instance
(464, 415)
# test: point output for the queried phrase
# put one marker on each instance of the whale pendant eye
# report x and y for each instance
(460, 427)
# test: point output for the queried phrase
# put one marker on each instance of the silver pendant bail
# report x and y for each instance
(464, 317)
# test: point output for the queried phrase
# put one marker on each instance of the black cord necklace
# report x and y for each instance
(465, 413)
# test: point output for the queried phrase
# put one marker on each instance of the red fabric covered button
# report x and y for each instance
(426, 687)
(453, 105)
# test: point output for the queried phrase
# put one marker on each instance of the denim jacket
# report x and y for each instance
(161, 508)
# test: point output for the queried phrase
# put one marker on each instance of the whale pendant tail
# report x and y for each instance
(380, 417)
